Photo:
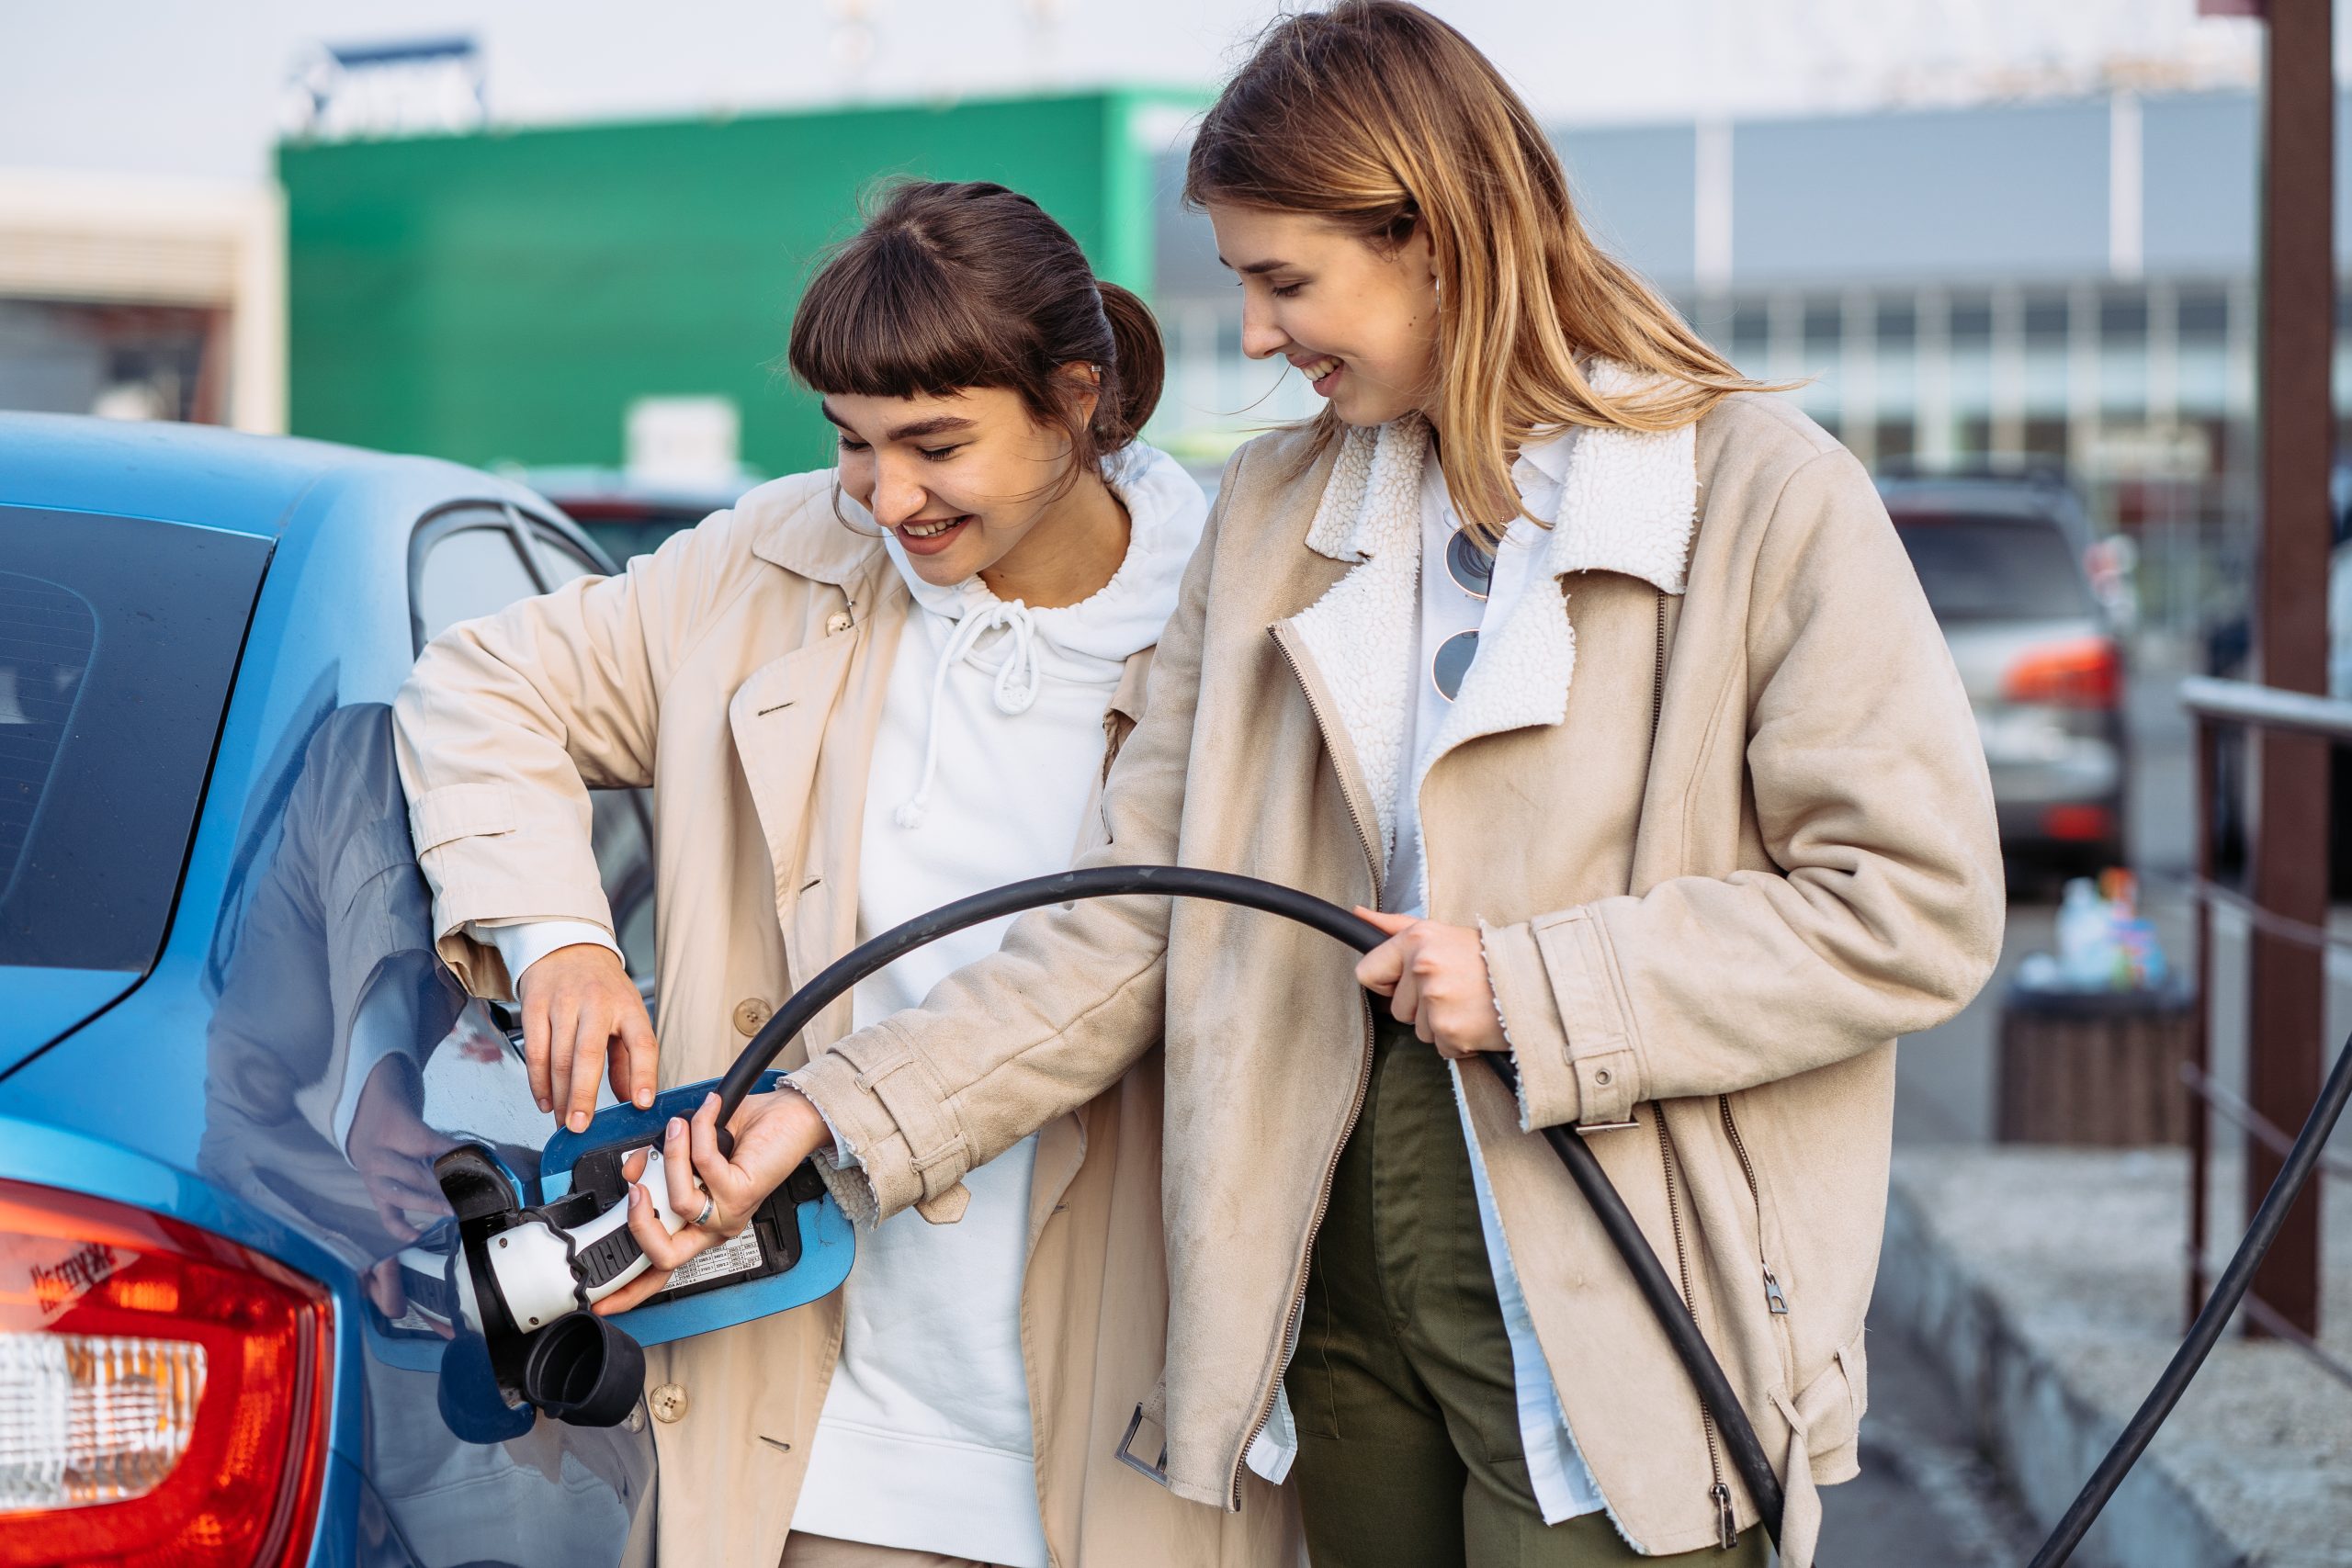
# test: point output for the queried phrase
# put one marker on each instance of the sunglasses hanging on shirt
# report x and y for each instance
(1472, 571)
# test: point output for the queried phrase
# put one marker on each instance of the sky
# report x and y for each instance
(202, 87)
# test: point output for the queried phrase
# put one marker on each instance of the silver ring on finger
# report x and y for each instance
(709, 1207)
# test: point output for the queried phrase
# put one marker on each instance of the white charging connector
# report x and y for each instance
(533, 1261)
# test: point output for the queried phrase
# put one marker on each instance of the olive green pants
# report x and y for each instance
(1407, 1414)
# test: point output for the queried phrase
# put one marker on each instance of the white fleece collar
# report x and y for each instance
(1628, 500)
(1628, 503)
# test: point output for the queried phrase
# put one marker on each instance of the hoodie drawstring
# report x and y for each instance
(1017, 680)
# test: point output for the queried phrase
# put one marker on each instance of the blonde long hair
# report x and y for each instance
(1380, 118)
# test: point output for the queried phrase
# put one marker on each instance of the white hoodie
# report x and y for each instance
(989, 747)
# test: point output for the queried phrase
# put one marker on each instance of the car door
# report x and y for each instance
(461, 1480)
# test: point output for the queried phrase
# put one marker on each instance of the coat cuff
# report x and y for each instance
(1532, 1026)
(1581, 969)
(1563, 1013)
(489, 853)
(888, 1109)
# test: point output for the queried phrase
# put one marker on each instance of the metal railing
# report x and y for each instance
(2279, 1100)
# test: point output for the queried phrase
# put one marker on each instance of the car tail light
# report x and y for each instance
(163, 1391)
(2081, 673)
(2078, 824)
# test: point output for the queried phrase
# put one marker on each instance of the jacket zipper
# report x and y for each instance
(1347, 1131)
(1727, 1527)
(1774, 1299)
(1726, 1522)
(1657, 680)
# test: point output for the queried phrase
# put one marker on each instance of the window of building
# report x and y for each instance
(2204, 313)
(1751, 332)
(1898, 324)
(2046, 437)
(2045, 320)
(1972, 320)
(1824, 326)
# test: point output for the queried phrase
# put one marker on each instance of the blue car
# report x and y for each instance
(228, 1054)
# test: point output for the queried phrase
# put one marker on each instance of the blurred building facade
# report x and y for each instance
(619, 294)
(2053, 281)
(143, 298)
(2058, 282)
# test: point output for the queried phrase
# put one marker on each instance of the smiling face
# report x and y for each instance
(1359, 323)
(965, 481)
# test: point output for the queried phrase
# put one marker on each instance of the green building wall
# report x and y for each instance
(503, 296)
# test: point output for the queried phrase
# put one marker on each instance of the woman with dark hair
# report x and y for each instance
(863, 693)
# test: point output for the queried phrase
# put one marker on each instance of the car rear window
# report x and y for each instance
(118, 638)
(1991, 567)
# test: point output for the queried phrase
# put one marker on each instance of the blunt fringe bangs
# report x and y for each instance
(952, 287)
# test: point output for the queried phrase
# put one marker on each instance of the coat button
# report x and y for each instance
(837, 623)
(750, 1013)
(1601, 1078)
(669, 1401)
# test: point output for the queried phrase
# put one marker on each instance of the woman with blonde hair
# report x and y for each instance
(860, 692)
(1603, 674)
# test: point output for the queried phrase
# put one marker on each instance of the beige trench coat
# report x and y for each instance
(1714, 885)
(739, 672)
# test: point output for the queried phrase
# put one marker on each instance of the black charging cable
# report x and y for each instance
(1690, 1348)
(2303, 1158)
(1665, 1303)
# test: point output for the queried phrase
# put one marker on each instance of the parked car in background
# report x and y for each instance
(228, 1053)
(628, 514)
(2002, 558)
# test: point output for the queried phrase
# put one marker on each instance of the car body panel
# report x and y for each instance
(39, 1004)
(167, 1098)
(177, 473)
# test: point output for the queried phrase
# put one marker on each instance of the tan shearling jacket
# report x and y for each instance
(740, 671)
(1719, 808)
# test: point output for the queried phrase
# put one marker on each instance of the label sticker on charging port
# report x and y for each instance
(738, 1257)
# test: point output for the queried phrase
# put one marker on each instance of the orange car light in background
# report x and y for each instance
(2080, 672)
(2078, 824)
